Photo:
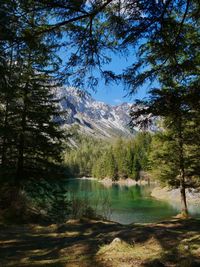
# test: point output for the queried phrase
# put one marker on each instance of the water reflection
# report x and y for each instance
(128, 204)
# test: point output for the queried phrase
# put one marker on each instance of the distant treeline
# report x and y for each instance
(119, 159)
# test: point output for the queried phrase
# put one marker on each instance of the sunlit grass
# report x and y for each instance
(123, 254)
(88, 243)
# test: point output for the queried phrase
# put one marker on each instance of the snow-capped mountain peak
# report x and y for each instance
(94, 117)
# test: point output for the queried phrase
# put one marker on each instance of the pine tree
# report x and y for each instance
(110, 165)
(130, 159)
(175, 153)
(121, 159)
(93, 27)
(30, 137)
(173, 97)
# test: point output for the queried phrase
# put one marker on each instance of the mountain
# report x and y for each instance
(93, 117)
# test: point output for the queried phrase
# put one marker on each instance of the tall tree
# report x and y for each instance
(173, 55)
(175, 152)
(30, 138)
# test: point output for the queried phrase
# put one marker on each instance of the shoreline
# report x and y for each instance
(123, 182)
(158, 192)
(173, 195)
(87, 178)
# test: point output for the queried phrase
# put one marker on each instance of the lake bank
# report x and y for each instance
(120, 203)
(100, 243)
(123, 182)
(167, 194)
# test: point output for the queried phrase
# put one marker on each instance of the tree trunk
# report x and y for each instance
(3, 156)
(6, 121)
(20, 161)
(184, 208)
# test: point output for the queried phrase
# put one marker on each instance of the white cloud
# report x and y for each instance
(117, 101)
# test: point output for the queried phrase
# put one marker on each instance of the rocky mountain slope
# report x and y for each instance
(93, 117)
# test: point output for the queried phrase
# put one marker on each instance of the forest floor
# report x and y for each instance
(90, 243)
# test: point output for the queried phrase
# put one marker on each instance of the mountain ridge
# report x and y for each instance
(93, 117)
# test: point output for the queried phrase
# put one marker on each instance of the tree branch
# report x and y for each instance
(182, 21)
(87, 15)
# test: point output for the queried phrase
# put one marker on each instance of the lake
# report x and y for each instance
(123, 204)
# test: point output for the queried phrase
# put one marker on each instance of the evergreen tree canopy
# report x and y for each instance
(119, 159)
(90, 30)
(30, 140)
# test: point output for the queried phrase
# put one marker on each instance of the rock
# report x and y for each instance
(116, 240)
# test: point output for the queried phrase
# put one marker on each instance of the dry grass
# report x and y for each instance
(124, 254)
(86, 243)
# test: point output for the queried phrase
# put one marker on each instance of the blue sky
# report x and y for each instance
(115, 94)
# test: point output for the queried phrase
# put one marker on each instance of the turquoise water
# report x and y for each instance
(121, 203)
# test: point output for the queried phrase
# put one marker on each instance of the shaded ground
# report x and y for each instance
(90, 243)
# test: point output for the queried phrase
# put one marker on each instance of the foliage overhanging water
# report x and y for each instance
(121, 203)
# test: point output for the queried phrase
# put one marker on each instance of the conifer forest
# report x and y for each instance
(99, 133)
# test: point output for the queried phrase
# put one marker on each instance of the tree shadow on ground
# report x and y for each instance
(71, 244)
(179, 241)
(77, 243)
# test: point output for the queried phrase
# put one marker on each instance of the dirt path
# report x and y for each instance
(88, 243)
